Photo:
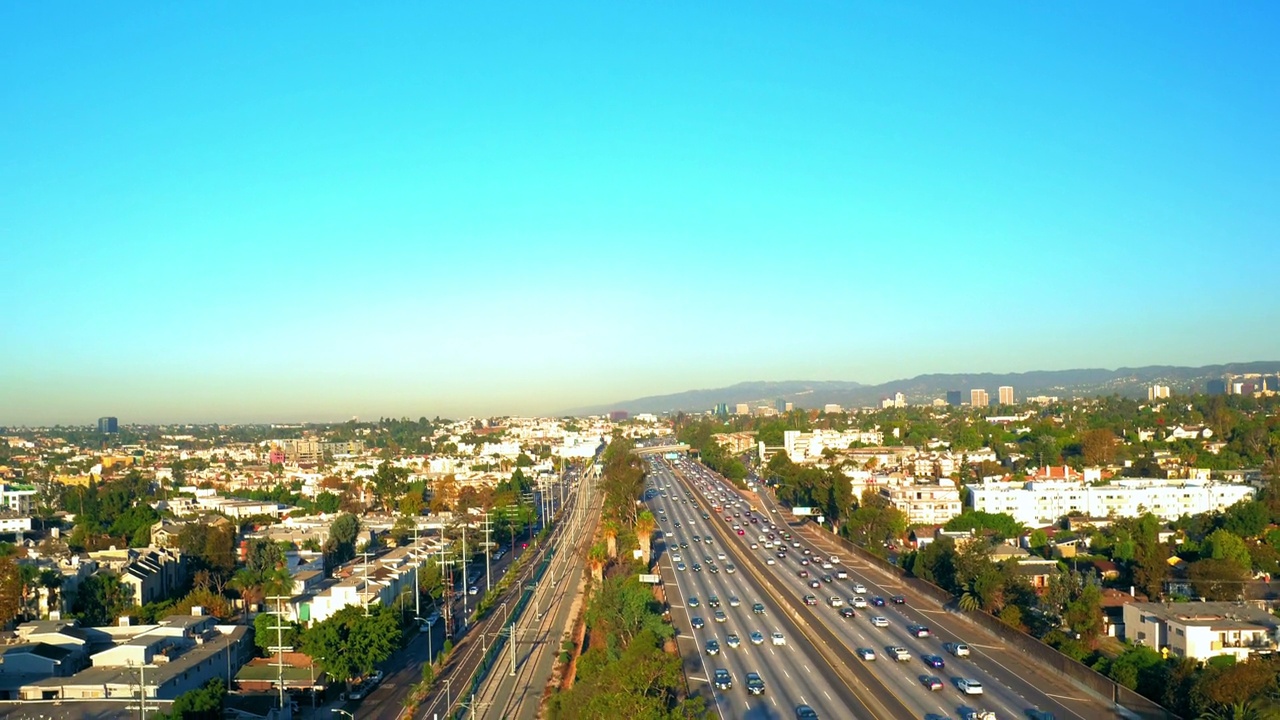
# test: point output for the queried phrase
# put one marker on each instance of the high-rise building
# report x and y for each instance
(722, 409)
(1217, 387)
(108, 425)
(979, 398)
(1006, 394)
(953, 398)
(899, 400)
(742, 409)
(1157, 392)
(781, 405)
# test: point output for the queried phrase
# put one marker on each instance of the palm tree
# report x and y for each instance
(1246, 710)
(645, 525)
(969, 600)
(610, 530)
(597, 558)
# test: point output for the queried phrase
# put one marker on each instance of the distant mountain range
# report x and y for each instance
(1127, 382)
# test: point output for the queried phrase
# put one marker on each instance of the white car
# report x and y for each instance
(770, 561)
(835, 601)
(859, 588)
(859, 602)
(969, 687)
(778, 639)
(834, 560)
(880, 621)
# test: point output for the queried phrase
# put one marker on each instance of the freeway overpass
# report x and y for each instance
(662, 449)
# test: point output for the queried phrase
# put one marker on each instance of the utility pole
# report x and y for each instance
(280, 648)
(512, 638)
(364, 591)
(465, 580)
(488, 551)
(142, 690)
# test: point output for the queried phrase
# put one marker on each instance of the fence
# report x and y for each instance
(1088, 679)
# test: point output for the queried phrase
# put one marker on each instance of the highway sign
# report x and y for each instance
(801, 511)
(650, 579)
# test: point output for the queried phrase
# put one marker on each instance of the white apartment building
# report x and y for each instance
(801, 446)
(1042, 503)
(1202, 630)
(1157, 392)
(926, 503)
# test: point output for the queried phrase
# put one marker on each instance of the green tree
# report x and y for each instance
(1225, 545)
(101, 599)
(351, 643)
(1217, 579)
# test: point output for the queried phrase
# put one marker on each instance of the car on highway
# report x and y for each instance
(755, 684)
(734, 601)
(720, 616)
(969, 686)
(681, 567)
(804, 712)
(778, 638)
(858, 602)
(803, 573)
(815, 584)
(693, 601)
(848, 612)
(958, 649)
(898, 600)
(842, 574)
(733, 641)
(770, 561)
(899, 653)
(877, 601)
(934, 661)
(713, 647)
(758, 608)
(835, 602)
(697, 622)
(713, 601)
(827, 579)
(933, 682)
(866, 653)
(834, 560)
(730, 568)
(810, 600)
(919, 631)
(723, 680)
(859, 588)
(697, 567)
(757, 637)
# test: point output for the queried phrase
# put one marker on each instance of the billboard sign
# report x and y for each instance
(651, 579)
(801, 511)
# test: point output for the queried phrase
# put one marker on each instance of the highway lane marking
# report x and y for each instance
(1065, 697)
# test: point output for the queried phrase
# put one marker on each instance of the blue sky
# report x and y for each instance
(234, 212)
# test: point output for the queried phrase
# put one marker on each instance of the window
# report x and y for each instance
(1181, 633)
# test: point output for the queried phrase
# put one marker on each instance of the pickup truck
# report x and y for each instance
(900, 654)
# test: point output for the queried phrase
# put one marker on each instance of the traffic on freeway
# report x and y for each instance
(742, 650)
(931, 670)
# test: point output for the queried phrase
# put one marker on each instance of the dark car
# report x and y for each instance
(723, 680)
(933, 661)
(713, 647)
(848, 612)
(877, 601)
(931, 681)
(755, 684)
(898, 600)
(804, 712)
(758, 608)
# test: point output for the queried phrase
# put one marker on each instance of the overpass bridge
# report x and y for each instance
(662, 449)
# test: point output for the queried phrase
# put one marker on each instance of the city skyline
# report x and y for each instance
(230, 214)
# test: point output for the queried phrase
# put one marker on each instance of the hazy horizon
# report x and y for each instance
(241, 213)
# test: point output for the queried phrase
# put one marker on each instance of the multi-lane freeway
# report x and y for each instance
(721, 604)
(859, 608)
